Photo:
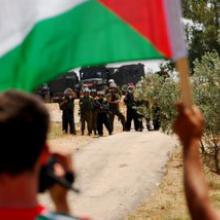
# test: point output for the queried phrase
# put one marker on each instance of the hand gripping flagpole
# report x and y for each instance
(182, 67)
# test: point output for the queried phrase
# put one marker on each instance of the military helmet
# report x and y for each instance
(111, 81)
(86, 90)
(113, 85)
(68, 91)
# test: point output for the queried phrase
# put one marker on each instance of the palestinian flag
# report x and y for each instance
(40, 39)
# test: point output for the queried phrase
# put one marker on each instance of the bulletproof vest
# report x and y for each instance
(114, 97)
(130, 100)
(86, 104)
(70, 104)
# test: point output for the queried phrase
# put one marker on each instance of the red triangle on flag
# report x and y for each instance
(147, 17)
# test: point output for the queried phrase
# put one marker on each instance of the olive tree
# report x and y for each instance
(206, 84)
(154, 88)
(206, 91)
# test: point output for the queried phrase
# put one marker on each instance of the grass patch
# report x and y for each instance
(168, 202)
(55, 130)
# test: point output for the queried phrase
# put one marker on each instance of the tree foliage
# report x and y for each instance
(154, 88)
(206, 81)
(206, 90)
(203, 33)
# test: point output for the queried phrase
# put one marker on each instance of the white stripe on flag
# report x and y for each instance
(17, 18)
(176, 28)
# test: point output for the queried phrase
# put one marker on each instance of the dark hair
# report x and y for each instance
(24, 123)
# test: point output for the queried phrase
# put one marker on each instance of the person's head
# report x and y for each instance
(130, 89)
(101, 94)
(93, 93)
(86, 92)
(110, 81)
(112, 87)
(24, 123)
(81, 94)
(69, 93)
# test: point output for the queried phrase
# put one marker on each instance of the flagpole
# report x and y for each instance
(182, 67)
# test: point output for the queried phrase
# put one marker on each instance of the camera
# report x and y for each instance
(48, 178)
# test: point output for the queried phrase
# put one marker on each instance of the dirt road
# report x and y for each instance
(117, 173)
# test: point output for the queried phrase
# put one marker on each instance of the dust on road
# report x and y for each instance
(117, 173)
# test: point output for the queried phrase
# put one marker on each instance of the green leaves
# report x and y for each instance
(202, 36)
(165, 91)
(206, 81)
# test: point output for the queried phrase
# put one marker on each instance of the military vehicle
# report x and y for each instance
(94, 78)
(98, 77)
(53, 90)
(127, 74)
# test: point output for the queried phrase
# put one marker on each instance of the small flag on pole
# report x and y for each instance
(40, 39)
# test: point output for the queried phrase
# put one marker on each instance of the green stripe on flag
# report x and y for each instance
(76, 38)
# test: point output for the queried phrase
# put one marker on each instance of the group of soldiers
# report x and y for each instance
(136, 114)
(99, 109)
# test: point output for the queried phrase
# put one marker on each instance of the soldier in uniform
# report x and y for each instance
(94, 112)
(102, 109)
(86, 110)
(148, 116)
(131, 109)
(114, 98)
(156, 116)
(67, 107)
(139, 116)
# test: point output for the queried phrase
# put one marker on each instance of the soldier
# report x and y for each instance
(86, 109)
(114, 98)
(156, 116)
(110, 82)
(139, 115)
(94, 112)
(131, 109)
(102, 109)
(148, 116)
(67, 107)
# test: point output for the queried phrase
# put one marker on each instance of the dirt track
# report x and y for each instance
(116, 173)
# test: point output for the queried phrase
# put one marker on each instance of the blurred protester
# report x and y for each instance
(189, 126)
(86, 111)
(67, 107)
(24, 123)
